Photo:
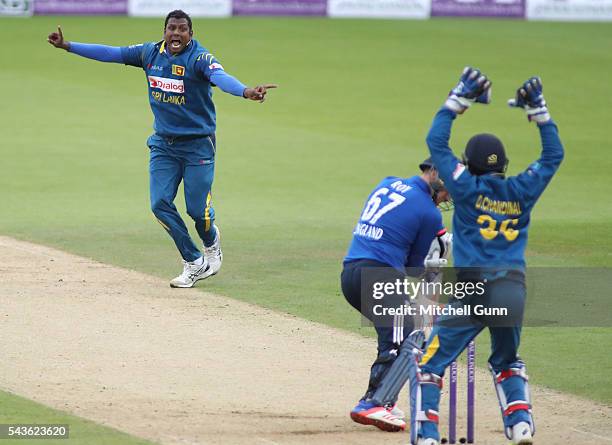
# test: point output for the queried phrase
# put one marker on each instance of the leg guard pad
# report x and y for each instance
(424, 402)
(379, 370)
(394, 380)
(512, 388)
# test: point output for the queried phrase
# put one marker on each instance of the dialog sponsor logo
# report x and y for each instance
(168, 85)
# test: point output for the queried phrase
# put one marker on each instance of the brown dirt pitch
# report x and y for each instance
(186, 367)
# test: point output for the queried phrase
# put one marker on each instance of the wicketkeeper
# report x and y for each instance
(180, 75)
(490, 224)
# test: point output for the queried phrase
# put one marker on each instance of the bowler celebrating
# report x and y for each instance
(180, 73)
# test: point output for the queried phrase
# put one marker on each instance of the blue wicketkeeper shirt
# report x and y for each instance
(492, 213)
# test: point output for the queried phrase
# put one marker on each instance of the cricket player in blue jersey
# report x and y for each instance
(180, 74)
(399, 224)
(490, 225)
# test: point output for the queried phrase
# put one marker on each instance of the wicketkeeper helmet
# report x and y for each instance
(484, 153)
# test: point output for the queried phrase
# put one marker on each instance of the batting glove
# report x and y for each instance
(472, 87)
(439, 251)
(530, 98)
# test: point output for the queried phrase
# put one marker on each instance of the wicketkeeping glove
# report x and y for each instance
(472, 87)
(530, 98)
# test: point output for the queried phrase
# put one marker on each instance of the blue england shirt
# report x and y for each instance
(492, 213)
(180, 90)
(397, 224)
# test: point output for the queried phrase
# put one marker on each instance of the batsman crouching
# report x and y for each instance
(400, 226)
(490, 225)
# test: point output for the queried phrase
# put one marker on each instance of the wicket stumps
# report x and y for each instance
(471, 384)
(452, 398)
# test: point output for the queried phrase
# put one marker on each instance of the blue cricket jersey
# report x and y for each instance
(492, 214)
(180, 91)
(397, 224)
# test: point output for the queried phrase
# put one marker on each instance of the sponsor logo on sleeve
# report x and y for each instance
(208, 57)
(167, 85)
(178, 70)
(215, 66)
(459, 169)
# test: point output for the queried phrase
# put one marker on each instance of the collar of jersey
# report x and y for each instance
(420, 183)
(162, 48)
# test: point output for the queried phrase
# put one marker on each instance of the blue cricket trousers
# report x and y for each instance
(191, 160)
(356, 280)
(451, 335)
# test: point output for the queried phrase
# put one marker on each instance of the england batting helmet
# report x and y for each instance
(426, 164)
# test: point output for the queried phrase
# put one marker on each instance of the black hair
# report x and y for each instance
(178, 14)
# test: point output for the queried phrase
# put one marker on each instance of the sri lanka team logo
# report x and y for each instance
(178, 70)
(168, 85)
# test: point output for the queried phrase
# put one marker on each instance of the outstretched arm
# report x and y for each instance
(259, 92)
(437, 141)
(473, 87)
(227, 83)
(101, 53)
(231, 85)
(534, 180)
(210, 68)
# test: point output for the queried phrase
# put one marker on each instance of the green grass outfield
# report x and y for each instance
(355, 101)
(17, 410)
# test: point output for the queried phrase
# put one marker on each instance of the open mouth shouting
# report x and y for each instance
(176, 45)
(177, 35)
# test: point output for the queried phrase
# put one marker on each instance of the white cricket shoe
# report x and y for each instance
(521, 434)
(398, 412)
(380, 417)
(213, 254)
(192, 273)
(422, 441)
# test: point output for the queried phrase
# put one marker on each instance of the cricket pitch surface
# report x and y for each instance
(179, 366)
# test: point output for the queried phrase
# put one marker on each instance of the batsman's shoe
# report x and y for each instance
(398, 412)
(379, 416)
(213, 254)
(192, 273)
(521, 434)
